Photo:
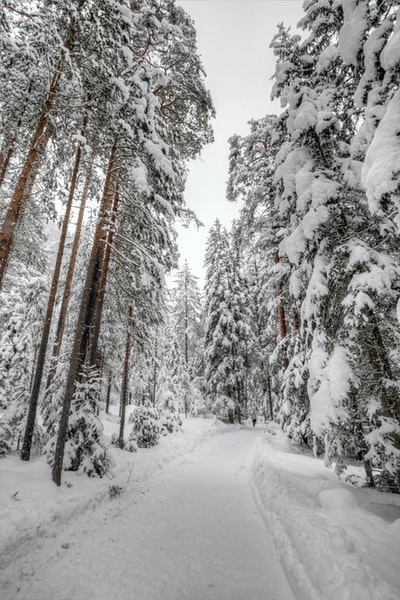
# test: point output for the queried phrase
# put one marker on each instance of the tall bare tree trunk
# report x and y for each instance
(86, 313)
(37, 380)
(125, 376)
(70, 273)
(37, 145)
(109, 380)
(95, 328)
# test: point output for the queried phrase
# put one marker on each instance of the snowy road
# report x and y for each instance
(194, 535)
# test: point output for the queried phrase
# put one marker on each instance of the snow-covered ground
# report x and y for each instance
(213, 513)
(335, 541)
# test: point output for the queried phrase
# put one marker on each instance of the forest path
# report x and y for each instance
(194, 535)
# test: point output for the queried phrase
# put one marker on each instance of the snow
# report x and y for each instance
(352, 31)
(336, 380)
(30, 501)
(216, 512)
(390, 57)
(381, 166)
(326, 59)
(336, 542)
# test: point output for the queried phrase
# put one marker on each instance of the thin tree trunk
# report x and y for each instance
(38, 144)
(390, 405)
(125, 376)
(153, 388)
(95, 329)
(33, 402)
(70, 274)
(108, 394)
(7, 148)
(368, 472)
(281, 315)
(5, 155)
(85, 316)
(270, 404)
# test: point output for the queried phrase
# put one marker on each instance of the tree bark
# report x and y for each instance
(38, 144)
(37, 380)
(281, 315)
(390, 404)
(5, 155)
(270, 403)
(95, 329)
(108, 394)
(85, 315)
(7, 147)
(125, 376)
(70, 273)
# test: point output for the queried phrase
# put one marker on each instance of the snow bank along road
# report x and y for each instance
(195, 534)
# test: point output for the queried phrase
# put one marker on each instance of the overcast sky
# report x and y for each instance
(233, 41)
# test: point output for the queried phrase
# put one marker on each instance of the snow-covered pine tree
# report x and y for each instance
(20, 315)
(251, 180)
(186, 326)
(146, 426)
(227, 331)
(343, 273)
(185, 315)
(369, 43)
(86, 450)
(167, 402)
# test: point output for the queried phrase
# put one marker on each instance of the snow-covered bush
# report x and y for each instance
(198, 405)
(170, 421)
(169, 418)
(146, 428)
(129, 446)
(224, 408)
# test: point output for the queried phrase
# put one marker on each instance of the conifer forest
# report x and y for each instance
(104, 104)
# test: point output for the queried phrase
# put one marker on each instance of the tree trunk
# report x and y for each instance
(368, 473)
(390, 404)
(5, 155)
(70, 273)
(37, 380)
(38, 144)
(125, 376)
(95, 329)
(20, 195)
(85, 316)
(281, 315)
(108, 394)
(7, 147)
(270, 403)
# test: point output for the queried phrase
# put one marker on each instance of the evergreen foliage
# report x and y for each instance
(228, 336)
(329, 250)
(146, 426)
(86, 447)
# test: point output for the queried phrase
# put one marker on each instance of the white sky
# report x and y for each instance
(233, 41)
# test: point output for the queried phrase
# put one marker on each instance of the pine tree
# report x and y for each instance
(341, 264)
(146, 428)
(20, 316)
(227, 331)
(86, 450)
